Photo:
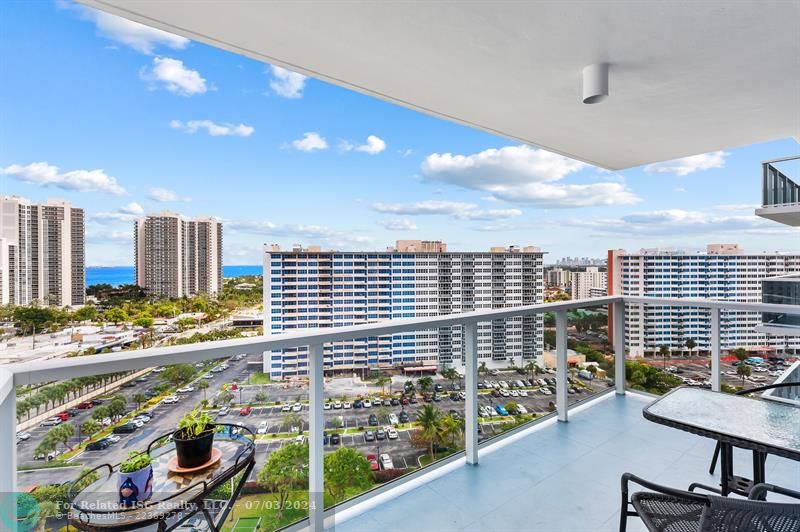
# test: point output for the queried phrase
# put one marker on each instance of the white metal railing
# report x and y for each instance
(13, 375)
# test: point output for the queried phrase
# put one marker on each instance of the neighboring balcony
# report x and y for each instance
(559, 471)
(780, 200)
(783, 290)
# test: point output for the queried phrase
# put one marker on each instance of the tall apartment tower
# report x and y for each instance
(583, 282)
(309, 288)
(723, 272)
(176, 256)
(42, 253)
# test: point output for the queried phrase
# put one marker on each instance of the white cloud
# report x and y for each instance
(47, 175)
(141, 38)
(286, 83)
(374, 145)
(679, 223)
(521, 174)
(315, 234)
(213, 129)
(165, 195)
(687, 165)
(311, 141)
(401, 224)
(455, 209)
(126, 213)
(175, 77)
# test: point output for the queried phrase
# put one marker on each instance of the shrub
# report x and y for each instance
(386, 475)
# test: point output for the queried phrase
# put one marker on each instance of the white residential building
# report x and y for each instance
(42, 253)
(724, 272)
(176, 256)
(558, 278)
(583, 282)
(310, 288)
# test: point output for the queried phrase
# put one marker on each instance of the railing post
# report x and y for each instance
(715, 350)
(316, 452)
(471, 385)
(561, 364)
(619, 346)
(8, 440)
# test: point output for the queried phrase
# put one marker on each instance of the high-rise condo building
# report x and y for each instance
(42, 253)
(309, 288)
(558, 278)
(583, 282)
(723, 272)
(176, 256)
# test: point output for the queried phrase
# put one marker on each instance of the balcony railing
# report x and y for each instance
(14, 375)
(777, 188)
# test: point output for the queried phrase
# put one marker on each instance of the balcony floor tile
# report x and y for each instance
(561, 477)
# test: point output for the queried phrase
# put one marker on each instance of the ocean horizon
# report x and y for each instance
(119, 275)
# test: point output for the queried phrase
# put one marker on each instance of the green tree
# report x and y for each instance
(592, 369)
(116, 407)
(101, 412)
(453, 428)
(139, 399)
(90, 427)
(46, 446)
(512, 408)
(663, 350)
(425, 383)
(740, 353)
(86, 313)
(346, 469)
(690, 345)
(482, 369)
(452, 375)
(744, 371)
(62, 433)
(428, 418)
(291, 419)
(202, 384)
(224, 397)
(143, 321)
(336, 422)
(383, 413)
(284, 471)
(116, 315)
(382, 381)
(178, 374)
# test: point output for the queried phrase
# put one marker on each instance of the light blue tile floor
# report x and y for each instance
(562, 478)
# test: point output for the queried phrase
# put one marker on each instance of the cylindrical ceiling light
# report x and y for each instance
(595, 83)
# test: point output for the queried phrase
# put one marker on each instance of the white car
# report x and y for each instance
(386, 462)
(521, 409)
(300, 439)
(24, 436)
(199, 365)
(326, 406)
(513, 393)
(346, 405)
(138, 422)
(337, 405)
(286, 408)
(185, 389)
(545, 391)
(504, 392)
(393, 419)
(522, 393)
(224, 411)
(208, 376)
(113, 438)
(51, 422)
(391, 433)
(170, 400)
(143, 418)
(106, 421)
(159, 369)
(262, 428)
(297, 407)
(367, 403)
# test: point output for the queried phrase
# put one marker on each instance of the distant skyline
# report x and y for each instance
(123, 120)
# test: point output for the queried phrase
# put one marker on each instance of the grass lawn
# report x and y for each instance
(257, 378)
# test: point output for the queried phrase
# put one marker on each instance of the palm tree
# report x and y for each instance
(428, 419)
(690, 344)
(382, 381)
(530, 367)
(425, 383)
(203, 385)
(663, 350)
(291, 419)
(139, 398)
(453, 428)
(482, 369)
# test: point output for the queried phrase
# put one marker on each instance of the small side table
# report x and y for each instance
(176, 497)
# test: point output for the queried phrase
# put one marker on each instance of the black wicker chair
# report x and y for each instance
(747, 392)
(664, 509)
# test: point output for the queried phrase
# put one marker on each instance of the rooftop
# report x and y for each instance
(556, 476)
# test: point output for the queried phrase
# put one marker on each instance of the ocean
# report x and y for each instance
(117, 275)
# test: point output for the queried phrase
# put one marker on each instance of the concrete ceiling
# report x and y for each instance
(687, 77)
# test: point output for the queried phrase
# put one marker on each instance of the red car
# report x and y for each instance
(63, 416)
(404, 401)
(245, 411)
(373, 462)
(85, 405)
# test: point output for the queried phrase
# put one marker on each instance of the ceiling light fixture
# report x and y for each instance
(595, 83)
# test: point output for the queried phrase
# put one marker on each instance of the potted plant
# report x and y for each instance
(135, 479)
(194, 439)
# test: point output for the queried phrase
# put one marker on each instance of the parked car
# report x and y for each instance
(404, 401)
(373, 462)
(73, 412)
(245, 411)
(50, 422)
(347, 405)
(24, 436)
(336, 439)
(286, 408)
(326, 406)
(438, 388)
(325, 438)
(373, 420)
(297, 407)
(337, 405)
(501, 409)
(262, 428)
(395, 401)
(112, 439)
(208, 376)
(391, 433)
(224, 411)
(367, 403)
(127, 428)
(413, 399)
(170, 399)
(185, 389)
(380, 434)
(358, 403)
(86, 405)
(393, 419)
(63, 416)
(97, 402)
(300, 439)
(369, 436)
(99, 445)
(386, 462)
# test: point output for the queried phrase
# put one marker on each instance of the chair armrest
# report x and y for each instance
(680, 494)
(694, 485)
(759, 492)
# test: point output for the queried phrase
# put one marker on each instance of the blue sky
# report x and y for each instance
(122, 120)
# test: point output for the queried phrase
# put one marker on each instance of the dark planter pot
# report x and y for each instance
(193, 452)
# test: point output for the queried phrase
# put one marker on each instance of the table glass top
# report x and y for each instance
(761, 421)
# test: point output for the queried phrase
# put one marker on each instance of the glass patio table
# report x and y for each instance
(176, 497)
(761, 426)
